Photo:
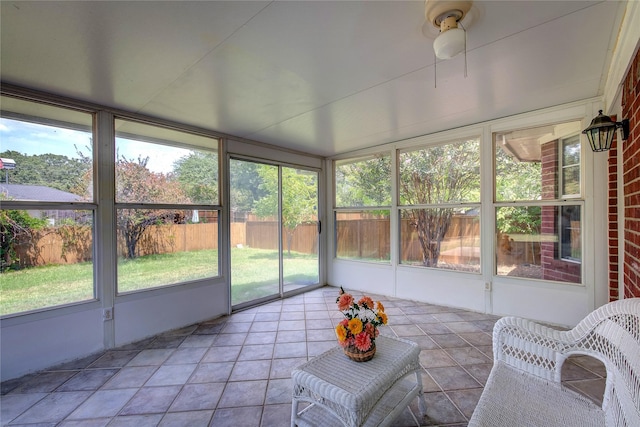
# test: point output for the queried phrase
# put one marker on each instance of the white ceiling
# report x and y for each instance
(323, 77)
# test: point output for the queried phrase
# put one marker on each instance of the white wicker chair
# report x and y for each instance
(524, 388)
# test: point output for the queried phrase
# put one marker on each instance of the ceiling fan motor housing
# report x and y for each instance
(436, 11)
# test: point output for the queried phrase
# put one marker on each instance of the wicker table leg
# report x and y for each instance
(422, 403)
(294, 412)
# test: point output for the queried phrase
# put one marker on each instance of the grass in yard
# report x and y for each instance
(247, 264)
(158, 270)
(45, 286)
(254, 272)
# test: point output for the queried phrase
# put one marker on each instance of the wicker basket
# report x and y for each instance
(360, 356)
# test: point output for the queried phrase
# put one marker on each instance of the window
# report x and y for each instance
(439, 195)
(166, 205)
(363, 200)
(47, 216)
(570, 157)
(570, 233)
(538, 202)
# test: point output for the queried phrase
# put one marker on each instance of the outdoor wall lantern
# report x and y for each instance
(601, 130)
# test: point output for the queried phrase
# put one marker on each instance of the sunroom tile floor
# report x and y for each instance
(236, 370)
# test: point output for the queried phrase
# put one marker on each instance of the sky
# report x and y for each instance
(33, 139)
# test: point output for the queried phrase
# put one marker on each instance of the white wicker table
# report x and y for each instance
(342, 392)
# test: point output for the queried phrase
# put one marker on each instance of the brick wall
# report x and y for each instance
(631, 180)
(548, 215)
(613, 222)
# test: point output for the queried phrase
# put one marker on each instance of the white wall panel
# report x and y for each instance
(363, 276)
(143, 317)
(563, 305)
(31, 346)
(441, 287)
(418, 284)
(48, 341)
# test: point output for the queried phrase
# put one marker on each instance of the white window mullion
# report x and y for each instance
(105, 230)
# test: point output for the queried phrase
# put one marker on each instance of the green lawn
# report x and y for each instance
(255, 271)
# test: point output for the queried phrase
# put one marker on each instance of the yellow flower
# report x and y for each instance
(380, 306)
(383, 317)
(355, 326)
(341, 332)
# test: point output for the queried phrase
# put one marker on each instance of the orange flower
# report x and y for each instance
(366, 301)
(341, 332)
(344, 302)
(380, 306)
(370, 329)
(363, 341)
(355, 326)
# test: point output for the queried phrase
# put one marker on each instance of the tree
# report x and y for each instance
(441, 175)
(245, 187)
(16, 227)
(366, 182)
(51, 170)
(299, 197)
(198, 175)
(517, 181)
(135, 183)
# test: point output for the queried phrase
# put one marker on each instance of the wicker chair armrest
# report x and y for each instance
(531, 347)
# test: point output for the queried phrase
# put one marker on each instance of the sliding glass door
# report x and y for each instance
(300, 228)
(274, 230)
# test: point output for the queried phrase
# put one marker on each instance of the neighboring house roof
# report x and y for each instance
(40, 193)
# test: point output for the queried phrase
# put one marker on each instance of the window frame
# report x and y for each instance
(363, 208)
(52, 118)
(562, 167)
(558, 201)
(119, 205)
(461, 205)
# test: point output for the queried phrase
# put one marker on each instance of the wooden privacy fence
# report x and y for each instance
(161, 239)
(264, 235)
(73, 244)
(370, 238)
(363, 238)
(55, 245)
(356, 238)
(461, 243)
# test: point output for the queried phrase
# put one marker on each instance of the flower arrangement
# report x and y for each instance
(359, 328)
